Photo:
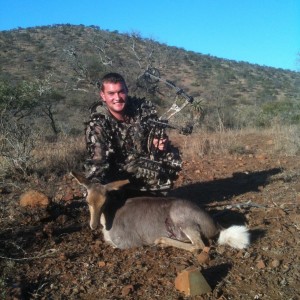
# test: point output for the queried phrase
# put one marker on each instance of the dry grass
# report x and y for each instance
(60, 156)
(203, 143)
(47, 157)
(68, 153)
(284, 140)
(287, 139)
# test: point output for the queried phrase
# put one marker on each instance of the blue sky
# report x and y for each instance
(265, 32)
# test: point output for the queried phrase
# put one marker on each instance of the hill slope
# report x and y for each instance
(73, 58)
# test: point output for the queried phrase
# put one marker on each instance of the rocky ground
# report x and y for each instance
(51, 253)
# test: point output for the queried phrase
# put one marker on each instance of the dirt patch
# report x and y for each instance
(52, 253)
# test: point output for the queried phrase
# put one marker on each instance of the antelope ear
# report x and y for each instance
(81, 179)
(116, 185)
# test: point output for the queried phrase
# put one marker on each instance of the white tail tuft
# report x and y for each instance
(235, 236)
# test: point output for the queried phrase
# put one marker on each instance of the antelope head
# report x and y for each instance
(97, 195)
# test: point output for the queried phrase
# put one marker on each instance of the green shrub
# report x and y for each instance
(288, 112)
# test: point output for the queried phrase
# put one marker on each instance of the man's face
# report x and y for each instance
(115, 96)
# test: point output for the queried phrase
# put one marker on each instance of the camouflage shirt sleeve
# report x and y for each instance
(98, 144)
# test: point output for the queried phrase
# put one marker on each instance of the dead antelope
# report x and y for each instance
(155, 220)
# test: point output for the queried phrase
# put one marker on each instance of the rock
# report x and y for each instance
(62, 219)
(275, 263)
(78, 193)
(33, 198)
(261, 157)
(101, 264)
(126, 290)
(58, 196)
(295, 218)
(260, 264)
(180, 267)
(68, 196)
(206, 249)
(203, 257)
(221, 249)
(63, 257)
(191, 282)
(240, 254)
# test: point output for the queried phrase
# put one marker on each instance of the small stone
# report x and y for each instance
(261, 157)
(68, 196)
(221, 249)
(295, 218)
(101, 264)
(191, 282)
(275, 263)
(58, 197)
(63, 257)
(180, 267)
(285, 268)
(260, 264)
(240, 254)
(62, 219)
(126, 290)
(203, 257)
(206, 249)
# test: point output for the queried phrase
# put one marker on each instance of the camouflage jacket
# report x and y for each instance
(113, 146)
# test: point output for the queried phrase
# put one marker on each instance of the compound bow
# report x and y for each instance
(153, 167)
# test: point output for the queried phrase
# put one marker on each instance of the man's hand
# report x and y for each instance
(160, 144)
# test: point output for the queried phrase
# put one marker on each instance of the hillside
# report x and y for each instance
(51, 253)
(248, 174)
(72, 58)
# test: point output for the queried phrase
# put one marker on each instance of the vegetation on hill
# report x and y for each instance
(49, 79)
(69, 60)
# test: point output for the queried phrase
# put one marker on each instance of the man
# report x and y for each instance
(123, 143)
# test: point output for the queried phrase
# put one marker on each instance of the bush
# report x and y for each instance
(287, 112)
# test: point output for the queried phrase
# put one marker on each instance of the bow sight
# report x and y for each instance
(158, 168)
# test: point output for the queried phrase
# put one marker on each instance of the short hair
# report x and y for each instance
(112, 78)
